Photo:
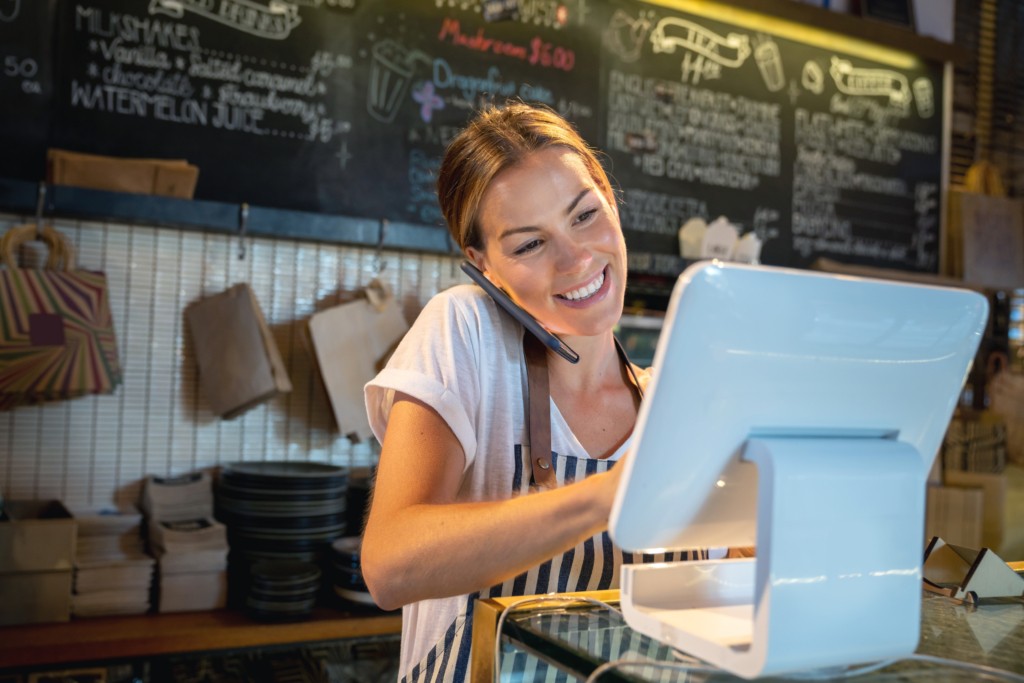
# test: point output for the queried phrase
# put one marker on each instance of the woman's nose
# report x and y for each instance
(573, 255)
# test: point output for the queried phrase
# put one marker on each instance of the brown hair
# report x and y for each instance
(498, 138)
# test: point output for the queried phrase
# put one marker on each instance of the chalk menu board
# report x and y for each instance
(262, 100)
(345, 107)
(26, 85)
(820, 153)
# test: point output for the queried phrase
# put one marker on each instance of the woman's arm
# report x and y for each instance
(419, 544)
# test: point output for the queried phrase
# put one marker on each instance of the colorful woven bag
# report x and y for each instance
(56, 332)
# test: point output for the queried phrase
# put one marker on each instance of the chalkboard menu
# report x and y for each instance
(345, 107)
(818, 152)
(26, 86)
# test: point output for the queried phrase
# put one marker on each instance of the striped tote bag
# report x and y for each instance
(56, 331)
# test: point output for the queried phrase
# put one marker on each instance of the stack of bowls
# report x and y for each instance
(347, 571)
(281, 589)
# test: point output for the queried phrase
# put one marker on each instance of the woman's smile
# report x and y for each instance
(594, 290)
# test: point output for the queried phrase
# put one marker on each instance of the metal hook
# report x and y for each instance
(243, 219)
(379, 264)
(40, 205)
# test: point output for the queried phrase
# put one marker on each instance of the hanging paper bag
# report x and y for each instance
(240, 365)
(352, 342)
(56, 332)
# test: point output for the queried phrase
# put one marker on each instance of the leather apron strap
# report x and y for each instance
(539, 402)
(539, 413)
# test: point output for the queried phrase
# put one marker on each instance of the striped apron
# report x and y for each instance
(592, 565)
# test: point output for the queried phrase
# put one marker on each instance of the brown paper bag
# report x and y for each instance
(166, 177)
(985, 240)
(239, 363)
(350, 342)
(1006, 399)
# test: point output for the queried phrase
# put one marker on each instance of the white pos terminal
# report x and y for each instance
(798, 412)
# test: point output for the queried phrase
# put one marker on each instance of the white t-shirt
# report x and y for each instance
(464, 357)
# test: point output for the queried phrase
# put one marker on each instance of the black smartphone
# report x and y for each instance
(525, 319)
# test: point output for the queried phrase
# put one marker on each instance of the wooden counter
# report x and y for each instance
(107, 638)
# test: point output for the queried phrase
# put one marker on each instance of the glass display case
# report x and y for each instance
(565, 642)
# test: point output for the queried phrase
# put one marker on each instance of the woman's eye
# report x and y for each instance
(586, 215)
(528, 247)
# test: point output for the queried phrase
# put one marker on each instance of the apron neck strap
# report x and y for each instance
(539, 406)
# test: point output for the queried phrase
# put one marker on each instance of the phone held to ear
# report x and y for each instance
(525, 319)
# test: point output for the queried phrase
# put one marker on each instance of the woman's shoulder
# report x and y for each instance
(464, 296)
(463, 303)
(460, 328)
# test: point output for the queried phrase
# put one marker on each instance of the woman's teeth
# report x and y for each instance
(585, 292)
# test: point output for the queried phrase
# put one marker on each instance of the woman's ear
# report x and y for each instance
(476, 257)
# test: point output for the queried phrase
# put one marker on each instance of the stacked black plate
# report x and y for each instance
(282, 589)
(280, 511)
(348, 574)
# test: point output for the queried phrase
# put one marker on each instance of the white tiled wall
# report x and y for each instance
(94, 451)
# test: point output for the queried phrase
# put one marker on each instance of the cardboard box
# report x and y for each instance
(37, 551)
(993, 487)
(954, 514)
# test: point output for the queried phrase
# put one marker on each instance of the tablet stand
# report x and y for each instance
(837, 577)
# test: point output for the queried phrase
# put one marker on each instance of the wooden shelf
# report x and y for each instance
(106, 638)
(20, 196)
(852, 25)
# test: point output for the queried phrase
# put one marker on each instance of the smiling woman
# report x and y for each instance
(456, 514)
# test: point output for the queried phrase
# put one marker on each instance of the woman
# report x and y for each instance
(453, 516)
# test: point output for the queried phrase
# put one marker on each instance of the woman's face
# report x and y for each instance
(552, 241)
